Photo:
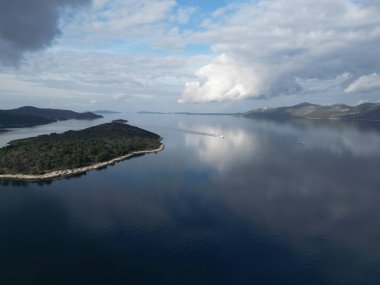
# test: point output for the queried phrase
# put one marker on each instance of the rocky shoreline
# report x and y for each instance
(76, 171)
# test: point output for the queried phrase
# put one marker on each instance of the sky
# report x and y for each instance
(188, 55)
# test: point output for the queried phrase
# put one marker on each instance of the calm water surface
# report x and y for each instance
(294, 202)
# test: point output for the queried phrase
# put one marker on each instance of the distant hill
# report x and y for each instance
(367, 111)
(31, 116)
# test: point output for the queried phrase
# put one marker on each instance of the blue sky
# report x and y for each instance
(204, 6)
(167, 55)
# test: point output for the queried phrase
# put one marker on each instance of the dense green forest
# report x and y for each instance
(74, 149)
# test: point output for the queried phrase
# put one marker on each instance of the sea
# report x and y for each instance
(230, 200)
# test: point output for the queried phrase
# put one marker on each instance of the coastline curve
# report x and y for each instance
(72, 172)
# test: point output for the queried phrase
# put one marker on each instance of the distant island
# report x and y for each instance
(120, 121)
(365, 112)
(74, 152)
(31, 116)
(105, 112)
(182, 113)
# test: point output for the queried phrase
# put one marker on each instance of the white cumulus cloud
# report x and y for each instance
(268, 47)
(223, 79)
(365, 83)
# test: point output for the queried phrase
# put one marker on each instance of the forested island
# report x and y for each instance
(73, 152)
(31, 116)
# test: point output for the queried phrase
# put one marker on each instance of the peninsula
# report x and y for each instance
(74, 152)
(31, 116)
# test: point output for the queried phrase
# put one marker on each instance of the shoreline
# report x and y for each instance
(72, 172)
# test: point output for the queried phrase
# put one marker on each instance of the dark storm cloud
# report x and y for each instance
(29, 25)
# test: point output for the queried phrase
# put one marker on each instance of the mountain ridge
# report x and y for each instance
(27, 116)
(365, 111)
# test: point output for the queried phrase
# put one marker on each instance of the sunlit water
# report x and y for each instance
(293, 202)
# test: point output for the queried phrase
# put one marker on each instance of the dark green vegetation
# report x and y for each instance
(74, 149)
(31, 116)
(367, 111)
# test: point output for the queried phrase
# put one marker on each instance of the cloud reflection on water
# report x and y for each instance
(223, 153)
(323, 192)
(246, 198)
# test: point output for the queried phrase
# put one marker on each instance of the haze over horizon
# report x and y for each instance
(188, 55)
